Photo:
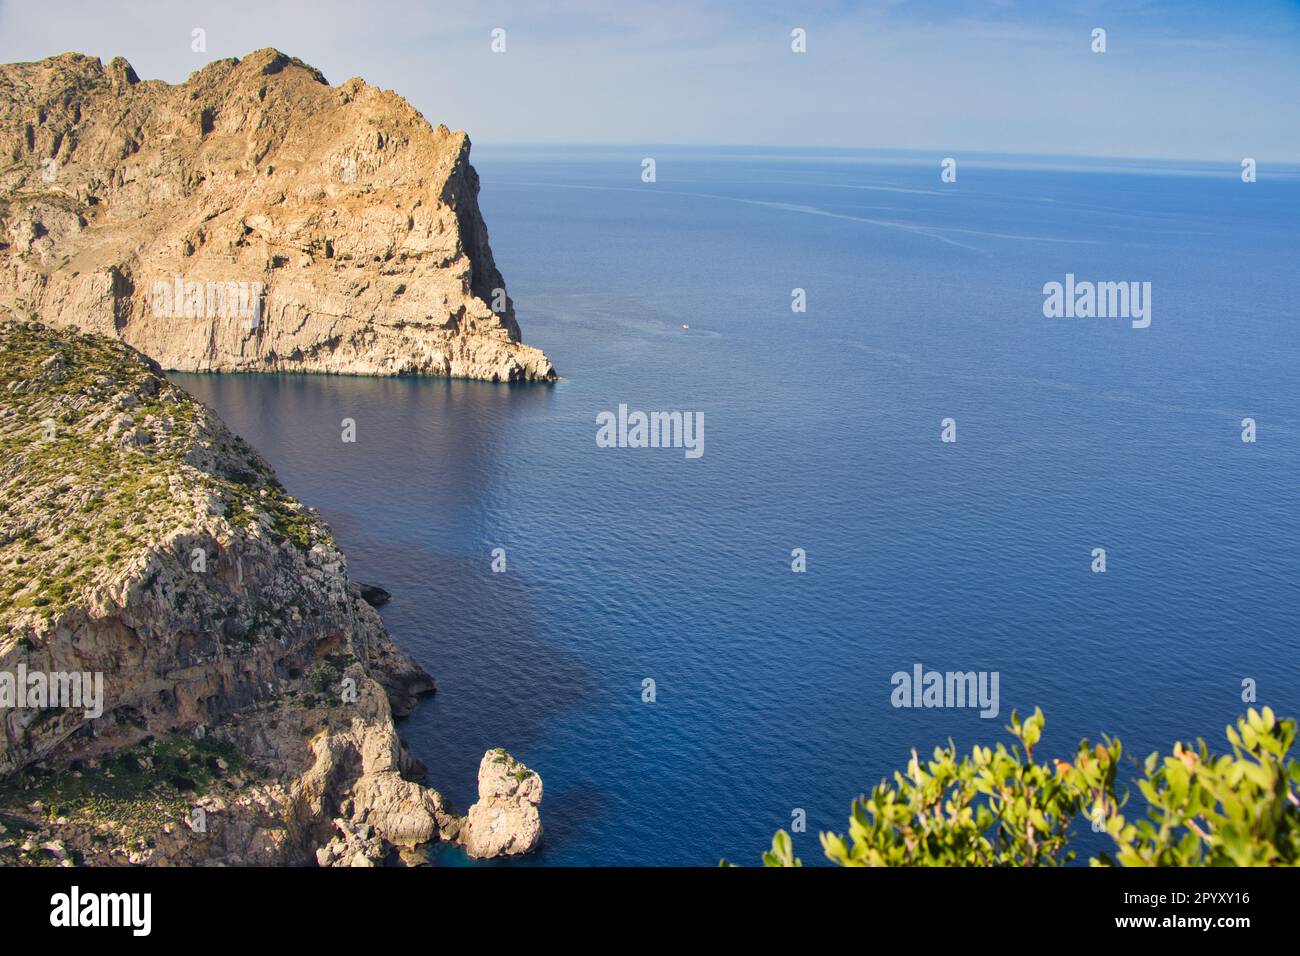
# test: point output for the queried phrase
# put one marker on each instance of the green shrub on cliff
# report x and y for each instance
(998, 807)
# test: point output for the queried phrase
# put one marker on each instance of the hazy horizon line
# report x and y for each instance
(917, 152)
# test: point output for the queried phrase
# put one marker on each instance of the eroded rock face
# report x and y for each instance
(252, 218)
(505, 820)
(246, 713)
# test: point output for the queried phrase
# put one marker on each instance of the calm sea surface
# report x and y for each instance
(822, 432)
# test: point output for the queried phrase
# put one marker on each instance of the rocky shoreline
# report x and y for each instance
(249, 688)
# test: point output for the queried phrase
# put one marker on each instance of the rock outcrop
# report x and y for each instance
(373, 594)
(253, 218)
(247, 688)
(505, 820)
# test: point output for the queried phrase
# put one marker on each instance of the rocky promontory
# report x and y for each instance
(252, 218)
(245, 689)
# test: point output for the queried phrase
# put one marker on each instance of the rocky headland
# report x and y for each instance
(248, 689)
(252, 218)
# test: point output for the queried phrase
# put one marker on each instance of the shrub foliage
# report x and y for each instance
(999, 807)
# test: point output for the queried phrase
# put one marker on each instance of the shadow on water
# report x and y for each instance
(416, 503)
(454, 615)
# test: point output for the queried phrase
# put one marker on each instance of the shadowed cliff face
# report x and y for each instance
(251, 218)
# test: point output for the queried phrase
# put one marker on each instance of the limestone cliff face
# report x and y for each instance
(246, 684)
(251, 218)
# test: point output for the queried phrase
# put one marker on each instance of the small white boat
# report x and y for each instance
(686, 326)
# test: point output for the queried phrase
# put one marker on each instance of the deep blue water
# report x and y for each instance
(822, 432)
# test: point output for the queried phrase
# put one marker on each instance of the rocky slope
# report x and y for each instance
(251, 218)
(248, 689)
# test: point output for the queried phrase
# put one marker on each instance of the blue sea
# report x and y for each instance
(822, 432)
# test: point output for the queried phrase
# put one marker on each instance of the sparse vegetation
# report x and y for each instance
(94, 446)
(123, 799)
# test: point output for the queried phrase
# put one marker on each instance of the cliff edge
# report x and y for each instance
(187, 673)
(252, 218)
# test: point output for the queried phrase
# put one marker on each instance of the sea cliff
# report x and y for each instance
(252, 218)
(247, 690)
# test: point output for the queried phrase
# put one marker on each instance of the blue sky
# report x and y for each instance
(1179, 80)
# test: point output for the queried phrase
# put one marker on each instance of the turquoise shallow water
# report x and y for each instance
(822, 432)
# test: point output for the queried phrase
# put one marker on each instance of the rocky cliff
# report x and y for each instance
(247, 691)
(251, 218)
